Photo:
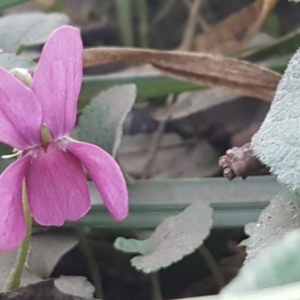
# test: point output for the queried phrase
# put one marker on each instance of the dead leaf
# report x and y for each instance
(235, 32)
(42, 290)
(193, 158)
(189, 103)
(200, 68)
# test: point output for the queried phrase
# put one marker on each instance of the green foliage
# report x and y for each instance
(8, 3)
(286, 292)
(280, 217)
(173, 239)
(148, 85)
(277, 142)
(277, 265)
(101, 121)
(29, 29)
(9, 61)
(281, 46)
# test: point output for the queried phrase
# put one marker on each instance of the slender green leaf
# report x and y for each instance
(235, 203)
(148, 85)
(9, 3)
(286, 44)
(173, 239)
(101, 121)
(142, 216)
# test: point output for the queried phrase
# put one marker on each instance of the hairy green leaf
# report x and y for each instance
(277, 265)
(277, 142)
(286, 292)
(102, 120)
(280, 217)
(173, 239)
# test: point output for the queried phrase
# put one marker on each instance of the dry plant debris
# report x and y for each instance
(200, 68)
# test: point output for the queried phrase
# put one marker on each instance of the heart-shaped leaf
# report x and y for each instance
(277, 142)
(22, 30)
(102, 120)
(9, 61)
(173, 239)
(46, 250)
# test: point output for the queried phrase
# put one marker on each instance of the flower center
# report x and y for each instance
(45, 136)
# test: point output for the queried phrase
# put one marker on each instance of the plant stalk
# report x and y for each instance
(91, 262)
(213, 266)
(143, 22)
(14, 278)
(156, 290)
(125, 19)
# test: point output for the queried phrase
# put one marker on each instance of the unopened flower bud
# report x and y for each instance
(22, 74)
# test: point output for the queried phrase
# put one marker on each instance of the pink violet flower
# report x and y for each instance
(53, 169)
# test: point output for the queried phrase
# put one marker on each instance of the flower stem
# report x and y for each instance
(91, 262)
(156, 290)
(143, 22)
(14, 278)
(213, 266)
(125, 19)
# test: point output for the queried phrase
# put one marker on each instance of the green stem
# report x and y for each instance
(156, 290)
(143, 22)
(91, 262)
(125, 20)
(14, 278)
(213, 266)
(163, 12)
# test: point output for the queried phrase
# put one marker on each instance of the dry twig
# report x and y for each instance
(155, 142)
(190, 28)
